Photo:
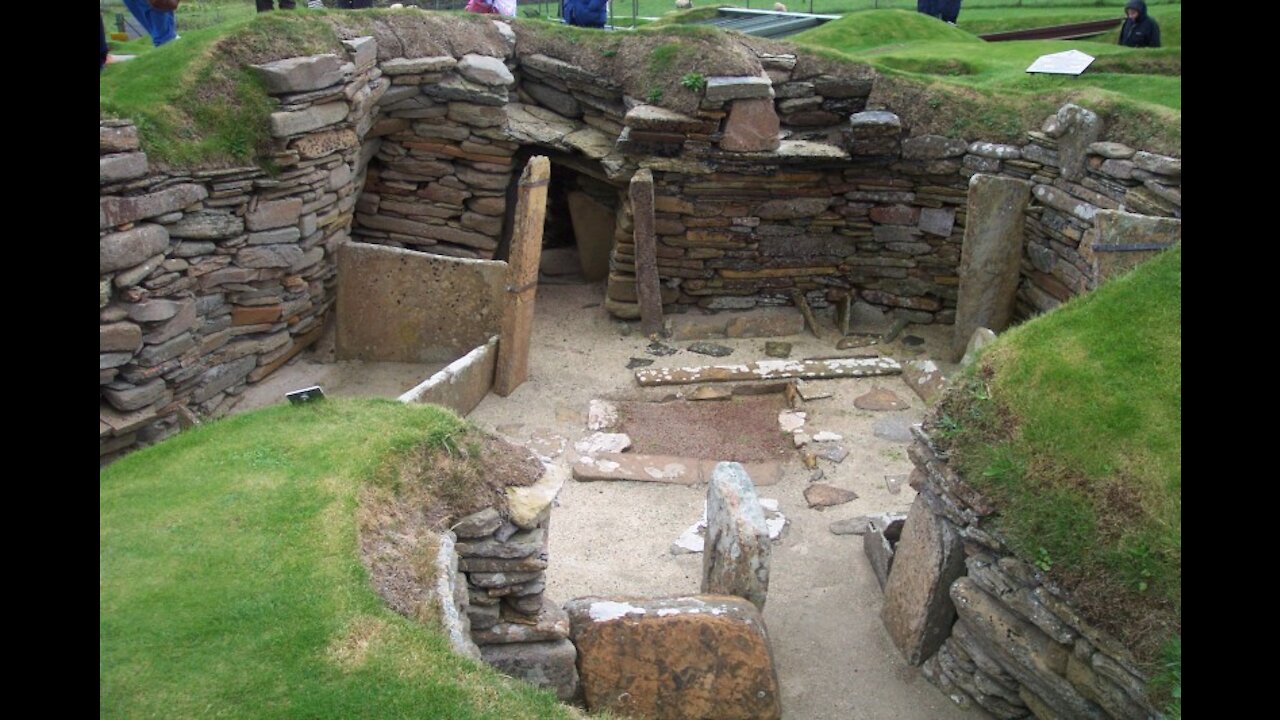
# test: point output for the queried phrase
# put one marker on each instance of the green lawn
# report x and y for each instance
(1072, 423)
(230, 583)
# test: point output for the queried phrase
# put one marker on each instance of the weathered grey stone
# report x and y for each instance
(1081, 129)
(752, 126)
(737, 551)
(459, 88)
(1064, 202)
(418, 66)
(933, 147)
(284, 124)
(138, 273)
(1112, 150)
(363, 52)
(476, 115)
(982, 337)
(220, 377)
(485, 70)
(551, 624)
(118, 337)
(722, 88)
(151, 355)
(705, 656)
(117, 139)
(126, 249)
(550, 665)
(184, 319)
(134, 398)
(991, 257)
(121, 167)
(530, 505)
(821, 495)
(478, 525)
(880, 399)
(1159, 164)
(273, 214)
(878, 544)
(1110, 248)
(561, 102)
(918, 610)
(153, 310)
(275, 237)
(842, 87)
(937, 221)
(300, 74)
(1018, 597)
(207, 225)
(116, 210)
(521, 544)
(113, 360)
(269, 256)
(792, 208)
(1025, 652)
(996, 151)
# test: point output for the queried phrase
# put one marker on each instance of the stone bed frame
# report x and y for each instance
(213, 279)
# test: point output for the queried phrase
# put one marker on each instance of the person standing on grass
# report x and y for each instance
(586, 13)
(159, 24)
(948, 10)
(102, 43)
(267, 5)
(355, 4)
(927, 7)
(1139, 30)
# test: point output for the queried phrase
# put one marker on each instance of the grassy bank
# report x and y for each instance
(231, 583)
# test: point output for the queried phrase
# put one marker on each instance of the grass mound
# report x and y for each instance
(878, 28)
(1072, 424)
(231, 583)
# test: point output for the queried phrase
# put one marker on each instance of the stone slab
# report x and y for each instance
(664, 468)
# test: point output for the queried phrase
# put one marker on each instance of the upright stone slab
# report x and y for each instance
(1121, 240)
(1081, 129)
(917, 611)
(522, 276)
(686, 658)
(752, 126)
(991, 257)
(736, 559)
(647, 289)
(593, 228)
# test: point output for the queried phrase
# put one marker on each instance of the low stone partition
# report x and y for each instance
(985, 626)
(501, 558)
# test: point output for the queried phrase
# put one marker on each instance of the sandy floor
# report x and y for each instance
(833, 656)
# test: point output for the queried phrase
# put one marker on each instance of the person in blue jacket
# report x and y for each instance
(1139, 30)
(158, 23)
(948, 10)
(586, 13)
(928, 7)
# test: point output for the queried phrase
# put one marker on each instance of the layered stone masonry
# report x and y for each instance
(502, 559)
(1010, 642)
(777, 184)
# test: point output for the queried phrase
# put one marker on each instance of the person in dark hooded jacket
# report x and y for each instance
(586, 13)
(1139, 30)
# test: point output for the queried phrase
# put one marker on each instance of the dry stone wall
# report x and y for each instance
(780, 182)
(986, 627)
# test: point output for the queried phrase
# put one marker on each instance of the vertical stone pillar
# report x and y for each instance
(735, 559)
(646, 253)
(522, 276)
(991, 257)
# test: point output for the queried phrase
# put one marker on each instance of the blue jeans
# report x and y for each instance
(160, 25)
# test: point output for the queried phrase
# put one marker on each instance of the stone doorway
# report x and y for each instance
(581, 220)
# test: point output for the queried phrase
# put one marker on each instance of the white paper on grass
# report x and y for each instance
(1071, 62)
